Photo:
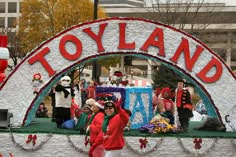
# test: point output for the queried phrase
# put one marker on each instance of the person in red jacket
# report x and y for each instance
(91, 90)
(95, 126)
(111, 135)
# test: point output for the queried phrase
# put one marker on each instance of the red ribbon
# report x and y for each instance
(143, 143)
(198, 143)
(32, 138)
(29, 139)
(86, 140)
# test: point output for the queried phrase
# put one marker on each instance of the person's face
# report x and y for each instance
(41, 106)
(95, 109)
(180, 85)
(165, 94)
(86, 110)
(109, 110)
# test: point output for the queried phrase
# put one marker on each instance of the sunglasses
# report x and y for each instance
(108, 108)
(66, 80)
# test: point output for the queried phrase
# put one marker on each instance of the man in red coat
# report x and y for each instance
(184, 105)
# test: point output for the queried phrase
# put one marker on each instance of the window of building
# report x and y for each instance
(11, 22)
(2, 7)
(12, 7)
(2, 22)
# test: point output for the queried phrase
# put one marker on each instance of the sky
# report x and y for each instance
(230, 2)
(227, 2)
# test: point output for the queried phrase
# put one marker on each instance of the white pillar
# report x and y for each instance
(149, 69)
(122, 64)
(228, 49)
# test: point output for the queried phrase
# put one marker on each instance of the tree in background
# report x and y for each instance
(164, 77)
(42, 19)
(184, 15)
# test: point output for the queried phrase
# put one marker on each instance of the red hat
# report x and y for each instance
(118, 73)
(166, 89)
(158, 91)
(100, 104)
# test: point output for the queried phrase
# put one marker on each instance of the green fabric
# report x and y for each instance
(46, 126)
(81, 121)
(106, 121)
(91, 119)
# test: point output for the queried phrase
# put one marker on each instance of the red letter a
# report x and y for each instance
(157, 43)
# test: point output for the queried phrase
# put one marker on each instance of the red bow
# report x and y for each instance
(198, 143)
(143, 143)
(31, 138)
(86, 140)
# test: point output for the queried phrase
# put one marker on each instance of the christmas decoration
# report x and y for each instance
(198, 143)
(193, 152)
(86, 139)
(154, 148)
(33, 139)
(161, 124)
(4, 56)
(80, 150)
(143, 142)
(37, 82)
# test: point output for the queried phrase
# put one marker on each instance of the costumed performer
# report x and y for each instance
(167, 103)
(184, 105)
(111, 136)
(63, 94)
(95, 126)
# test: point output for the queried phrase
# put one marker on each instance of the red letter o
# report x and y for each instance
(77, 43)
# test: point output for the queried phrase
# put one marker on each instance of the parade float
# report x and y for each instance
(213, 80)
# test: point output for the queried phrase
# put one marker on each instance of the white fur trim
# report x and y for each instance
(4, 53)
(99, 105)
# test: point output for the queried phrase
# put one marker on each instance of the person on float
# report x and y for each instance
(63, 94)
(95, 126)
(155, 101)
(91, 90)
(184, 106)
(111, 135)
(83, 87)
(167, 103)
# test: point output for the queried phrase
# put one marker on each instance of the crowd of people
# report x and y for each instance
(103, 120)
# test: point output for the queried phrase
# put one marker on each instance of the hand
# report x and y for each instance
(88, 128)
(91, 150)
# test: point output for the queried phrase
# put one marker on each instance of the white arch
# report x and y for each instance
(120, 36)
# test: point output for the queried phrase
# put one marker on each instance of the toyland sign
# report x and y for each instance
(139, 37)
(154, 39)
